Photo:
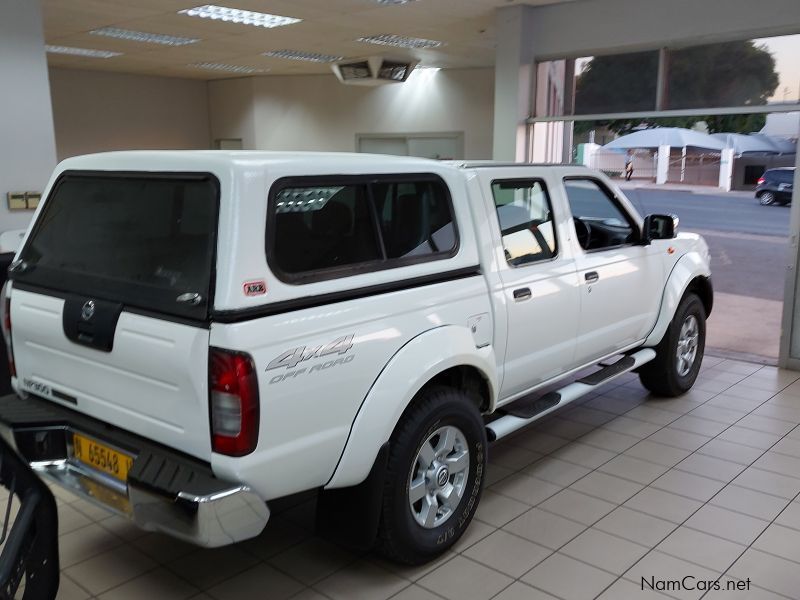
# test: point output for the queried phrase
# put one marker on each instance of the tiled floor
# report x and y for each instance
(584, 505)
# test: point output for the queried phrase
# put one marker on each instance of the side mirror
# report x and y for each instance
(659, 227)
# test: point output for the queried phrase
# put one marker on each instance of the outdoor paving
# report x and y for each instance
(583, 505)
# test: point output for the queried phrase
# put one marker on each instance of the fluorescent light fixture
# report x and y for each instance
(82, 52)
(394, 1)
(228, 68)
(236, 15)
(300, 55)
(387, 39)
(143, 36)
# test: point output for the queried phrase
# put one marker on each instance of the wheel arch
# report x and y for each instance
(442, 356)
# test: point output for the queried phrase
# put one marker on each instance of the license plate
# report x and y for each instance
(101, 457)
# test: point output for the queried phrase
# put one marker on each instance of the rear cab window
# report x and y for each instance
(143, 239)
(525, 215)
(327, 227)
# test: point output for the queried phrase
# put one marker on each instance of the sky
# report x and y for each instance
(786, 51)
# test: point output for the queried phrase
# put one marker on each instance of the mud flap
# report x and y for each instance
(350, 516)
(30, 551)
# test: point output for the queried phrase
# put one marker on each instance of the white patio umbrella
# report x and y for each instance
(666, 136)
(754, 142)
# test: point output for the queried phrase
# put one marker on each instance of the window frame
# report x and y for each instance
(637, 230)
(371, 266)
(548, 196)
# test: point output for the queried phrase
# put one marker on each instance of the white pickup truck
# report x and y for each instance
(194, 334)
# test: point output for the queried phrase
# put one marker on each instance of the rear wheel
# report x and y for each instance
(434, 477)
(766, 198)
(679, 354)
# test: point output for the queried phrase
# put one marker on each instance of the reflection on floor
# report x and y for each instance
(584, 505)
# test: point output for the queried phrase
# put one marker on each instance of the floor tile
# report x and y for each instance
(780, 540)
(312, 561)
(790, 516)
(557, 471)
(474, 534)
(625, 590)
(778, 411)
(508, 553)
(163, 548)
(539, 441)
(253, 582)
(635, 526)
(526, 489)
(605, 551)
(495, 473)
(769, 572)
(521, 591)
(632, 427)
(279, 535)
(512, 457)
(607, 487)
(609, 440)
(679, 439)
(361, 581)
(577, 506)
(465, 579)
(766, 424)
(564, 427)
(779, 463)
(205, 568)
(770, 483)
(749, 437)
(70, 519)
(568, 578)
(590, 416)
(110, 569)
(634, 469)
(744, 455)
(660, 454)
(701, 548)
(694, 424)
(544, 528)
(584, 455)
(652, 414)
(76, 546)
(497, 509)
(710, 466)
(412, 592)
(750, 502)
(730, 402)
(659, 567)
(414, 572)
(717, 413)
(726, 524)
(688, 484)
(67, 590)
(663, 505)
(789, 446)
(159, 583)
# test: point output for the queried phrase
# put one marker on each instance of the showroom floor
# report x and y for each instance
(581, 506)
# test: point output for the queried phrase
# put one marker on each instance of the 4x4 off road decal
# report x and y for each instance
(293, 357)
(255, 288)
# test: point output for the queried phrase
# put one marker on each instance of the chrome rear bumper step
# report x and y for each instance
(509, 423)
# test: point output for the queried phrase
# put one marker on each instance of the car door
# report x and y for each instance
(621, 280)
(539, 282)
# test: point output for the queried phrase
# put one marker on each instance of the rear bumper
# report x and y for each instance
(165, 491)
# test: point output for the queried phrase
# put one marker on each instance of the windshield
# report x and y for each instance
(140, 239)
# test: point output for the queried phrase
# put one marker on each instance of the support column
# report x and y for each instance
(789, 354)
(726, 169)
(662, 166)
(514, 81)
(27, 138)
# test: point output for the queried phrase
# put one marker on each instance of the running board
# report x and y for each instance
(509, 423)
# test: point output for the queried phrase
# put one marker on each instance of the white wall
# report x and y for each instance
(96, 111)
(316, 112)
(27, 148)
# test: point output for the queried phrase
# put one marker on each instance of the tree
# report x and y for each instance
(726, 74)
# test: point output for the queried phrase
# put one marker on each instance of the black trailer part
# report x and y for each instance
(30, 550)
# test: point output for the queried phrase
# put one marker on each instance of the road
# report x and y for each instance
(748, 242)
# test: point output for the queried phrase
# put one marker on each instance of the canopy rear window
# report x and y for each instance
(143, 240)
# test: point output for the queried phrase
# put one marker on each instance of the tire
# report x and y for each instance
(411, 532)
(667, 375)
(766, 198)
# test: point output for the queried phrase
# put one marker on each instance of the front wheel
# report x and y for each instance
(434, 477)
(679, 354)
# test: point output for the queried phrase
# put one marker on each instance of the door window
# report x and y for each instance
(526, 221)
(599, 222)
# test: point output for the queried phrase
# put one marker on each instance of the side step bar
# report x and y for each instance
(510, 423)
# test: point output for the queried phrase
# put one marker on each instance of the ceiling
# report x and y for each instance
(328, 27)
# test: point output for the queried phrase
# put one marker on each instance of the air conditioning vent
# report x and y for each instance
(374, 70)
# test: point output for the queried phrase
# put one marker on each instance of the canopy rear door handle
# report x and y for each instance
(522, 294)
(591, 277)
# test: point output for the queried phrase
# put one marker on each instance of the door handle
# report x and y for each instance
(591, 277)
(522, 294)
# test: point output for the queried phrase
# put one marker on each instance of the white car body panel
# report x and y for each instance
(323, 421)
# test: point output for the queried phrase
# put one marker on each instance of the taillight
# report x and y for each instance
(5, 324)
(233, 399)
(760, 180)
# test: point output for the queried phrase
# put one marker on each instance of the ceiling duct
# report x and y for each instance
(374, 70)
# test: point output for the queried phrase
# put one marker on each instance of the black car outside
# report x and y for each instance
(775, 186)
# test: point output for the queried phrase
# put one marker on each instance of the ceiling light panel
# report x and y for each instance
(87, 52)
(391, 2)
(235, 15)
(228, 68)
(400, 41)
(300, 55)
(143, 36)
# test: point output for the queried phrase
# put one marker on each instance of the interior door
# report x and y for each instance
(539, 284)
(621, 281)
